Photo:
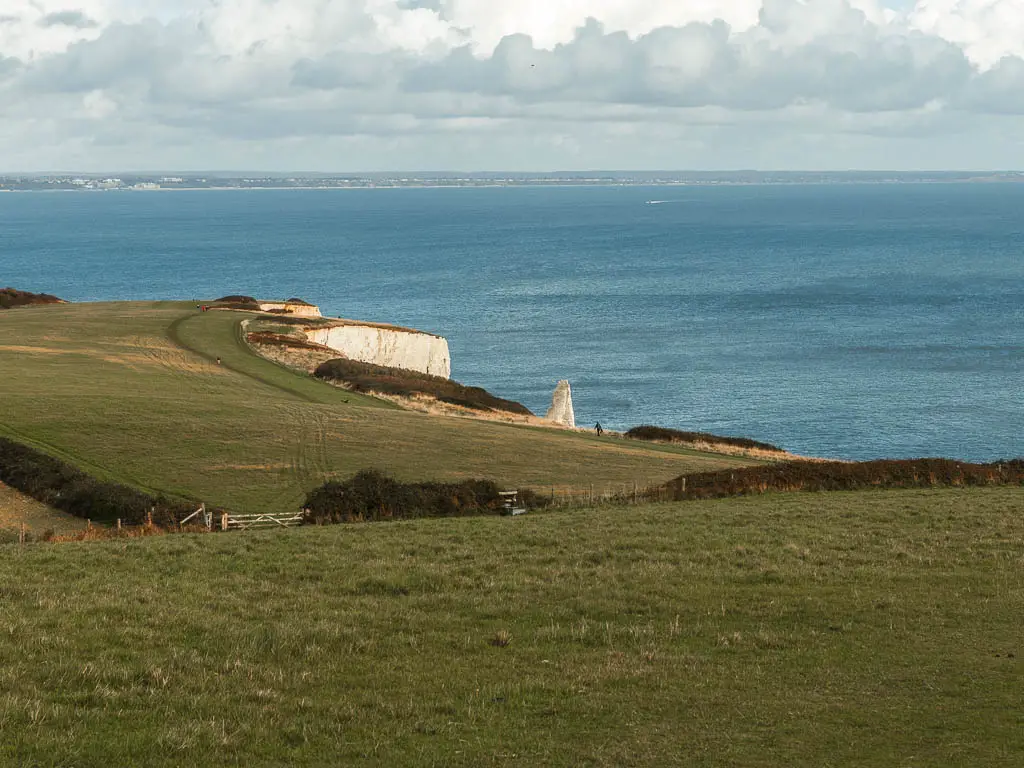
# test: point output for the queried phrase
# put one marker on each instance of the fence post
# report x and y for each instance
(591, 494)
(224, 521)
(21, 535)
(149, 517)
(119, 523)
(635, 489)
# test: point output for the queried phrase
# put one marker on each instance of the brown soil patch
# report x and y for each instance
(303, 359)
(250, 467)
(21, 349)
(289, 342)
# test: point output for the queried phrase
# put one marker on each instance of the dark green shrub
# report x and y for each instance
(372, 496)
(12, 297)
(365, 377)
(237, 302)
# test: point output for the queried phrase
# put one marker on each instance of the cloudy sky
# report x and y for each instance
(361, 85)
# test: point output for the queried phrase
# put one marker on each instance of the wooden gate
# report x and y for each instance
(229, 521)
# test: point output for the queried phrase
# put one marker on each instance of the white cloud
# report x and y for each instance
(591, 79)
(987, 30)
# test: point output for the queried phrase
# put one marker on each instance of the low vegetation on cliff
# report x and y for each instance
(662, 435)
(237, 301)
(12, 297)
(364, 377)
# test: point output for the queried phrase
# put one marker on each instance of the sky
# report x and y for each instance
(520, 85)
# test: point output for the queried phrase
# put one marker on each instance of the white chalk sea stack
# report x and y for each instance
(561, 411)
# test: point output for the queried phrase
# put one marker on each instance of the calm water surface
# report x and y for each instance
(847, 321)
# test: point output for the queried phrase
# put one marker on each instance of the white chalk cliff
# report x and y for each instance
(387, 345)
(561, 411)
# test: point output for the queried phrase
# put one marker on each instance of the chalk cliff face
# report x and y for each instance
(393, 347)
(561, 411)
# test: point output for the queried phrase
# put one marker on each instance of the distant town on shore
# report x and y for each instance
(110, 181)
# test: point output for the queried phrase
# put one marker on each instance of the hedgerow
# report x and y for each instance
(62, 486)
(840, 476)
(372, 495)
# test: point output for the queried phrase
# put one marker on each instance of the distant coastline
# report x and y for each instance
(192, 182)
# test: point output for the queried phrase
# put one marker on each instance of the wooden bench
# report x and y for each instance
(510, 503)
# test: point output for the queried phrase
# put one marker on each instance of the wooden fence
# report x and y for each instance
(633, 493)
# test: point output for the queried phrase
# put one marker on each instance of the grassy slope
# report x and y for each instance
(110, 387)
(870, 629)
(17, 509)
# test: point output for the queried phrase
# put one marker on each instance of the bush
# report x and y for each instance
(663, 435)
(839, 476)
(11, 297)
(364, 377)
(372, 496)
(64, 487)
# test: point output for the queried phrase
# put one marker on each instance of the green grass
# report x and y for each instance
(132, 392)
(867, 629)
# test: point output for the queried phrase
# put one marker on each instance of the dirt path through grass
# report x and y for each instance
(218, 334)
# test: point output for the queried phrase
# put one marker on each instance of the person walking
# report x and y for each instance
(597, 428)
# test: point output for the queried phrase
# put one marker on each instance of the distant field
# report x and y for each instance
(844, 629)
(133, 392)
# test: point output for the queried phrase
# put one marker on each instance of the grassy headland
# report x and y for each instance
(134, 393)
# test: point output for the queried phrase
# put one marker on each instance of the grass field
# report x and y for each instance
(844, 629)
(132, 392)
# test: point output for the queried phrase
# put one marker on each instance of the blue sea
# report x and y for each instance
(850, 321)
